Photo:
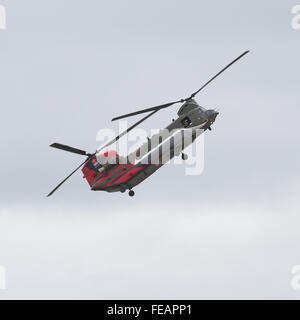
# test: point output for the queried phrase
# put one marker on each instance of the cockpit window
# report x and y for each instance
(186, 122)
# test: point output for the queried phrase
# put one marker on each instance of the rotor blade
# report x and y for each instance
(126, 131)
(156, 108)
(68, 148)
(69, 176)
(162, 106)
(231, 63)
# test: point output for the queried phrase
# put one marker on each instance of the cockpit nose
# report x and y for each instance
(212, 114)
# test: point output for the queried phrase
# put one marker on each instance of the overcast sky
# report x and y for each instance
(67, 68)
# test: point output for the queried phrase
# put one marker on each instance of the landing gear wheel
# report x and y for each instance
(131, 193)
(184, 156)
(122, 188)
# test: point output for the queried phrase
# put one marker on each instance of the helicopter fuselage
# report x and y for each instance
(111, 172)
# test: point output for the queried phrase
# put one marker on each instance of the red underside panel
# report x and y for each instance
(120, 174)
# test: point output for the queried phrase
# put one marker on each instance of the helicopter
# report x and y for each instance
(114, 173)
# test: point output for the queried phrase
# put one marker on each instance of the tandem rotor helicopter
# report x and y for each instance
(111, 172)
